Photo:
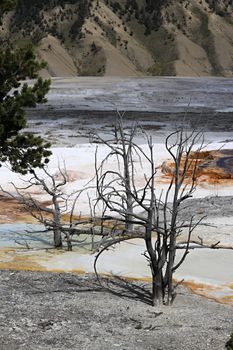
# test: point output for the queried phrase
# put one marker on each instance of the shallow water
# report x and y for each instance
(23, 235)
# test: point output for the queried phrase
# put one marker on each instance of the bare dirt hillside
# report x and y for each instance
(60, 62)
(126, 37)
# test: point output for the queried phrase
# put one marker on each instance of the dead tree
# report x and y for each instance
(121, 150)
(50, 213)
(139, 210)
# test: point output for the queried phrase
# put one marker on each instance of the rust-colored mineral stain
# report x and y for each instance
(228, 299)
(25, 260)
(11, 260)
(199, 286)
(11, 211)
(213, 167)
(207, 290)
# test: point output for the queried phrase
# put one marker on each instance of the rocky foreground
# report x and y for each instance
(67, 311)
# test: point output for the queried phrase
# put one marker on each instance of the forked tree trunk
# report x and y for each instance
(157, 288)
(129, 198)
(57, 235)
(157, 273)
(170, 289)
(129, 217)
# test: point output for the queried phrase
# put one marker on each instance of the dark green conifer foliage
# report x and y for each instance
(6, 5)
(23, 151)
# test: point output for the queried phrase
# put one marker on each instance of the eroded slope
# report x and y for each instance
(126, 37)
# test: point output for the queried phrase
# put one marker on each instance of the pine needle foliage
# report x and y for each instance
(22, 150)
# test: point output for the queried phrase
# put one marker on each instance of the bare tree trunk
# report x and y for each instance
(57, 235)
(156, 270)
(157, 288)
(129, 199)
(69, 242)
(171, 260)
(127, 154)
(129, 217)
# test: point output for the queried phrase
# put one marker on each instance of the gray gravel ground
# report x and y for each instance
(67, 311)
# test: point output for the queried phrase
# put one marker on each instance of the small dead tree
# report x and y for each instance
(121, 150)
(50, 213)
(139, 210)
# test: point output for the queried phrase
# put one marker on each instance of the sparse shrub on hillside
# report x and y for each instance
(93, 47)
(204, 37)
(147, 12)
(83, 12)
(6, 5)
(109, 31)
(28, 12)
(220, 7)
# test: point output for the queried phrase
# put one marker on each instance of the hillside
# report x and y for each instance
(126, 37)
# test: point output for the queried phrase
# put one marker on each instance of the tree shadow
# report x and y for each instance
(113, 284)
(128, 289)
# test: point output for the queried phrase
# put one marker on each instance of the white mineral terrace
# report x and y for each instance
(213, 268)
(165, 94)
